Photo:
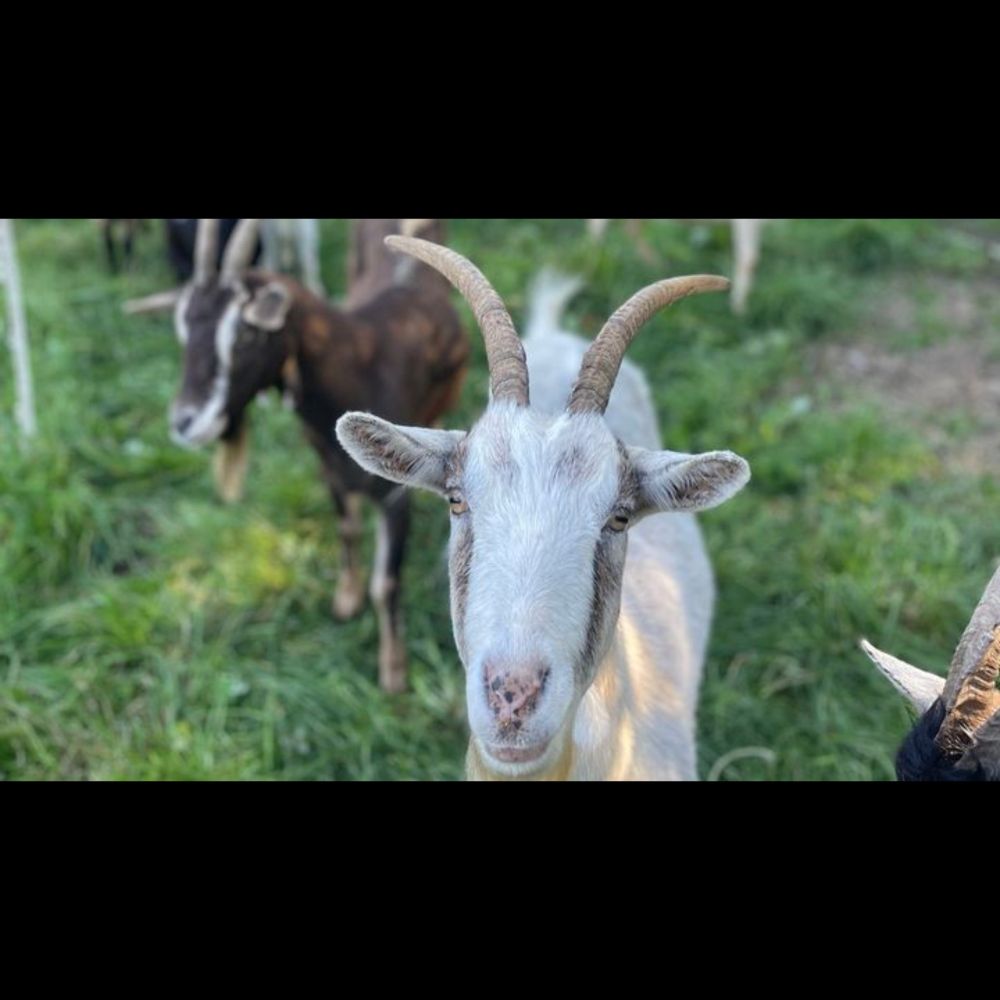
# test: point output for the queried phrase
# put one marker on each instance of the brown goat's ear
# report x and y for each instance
(669, 481)
(413, 456)
(268, 309)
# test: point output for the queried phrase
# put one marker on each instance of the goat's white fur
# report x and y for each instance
(637, 719)
(531, 574)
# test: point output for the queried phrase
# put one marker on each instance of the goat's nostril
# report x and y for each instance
(183, 423)
(513, 692)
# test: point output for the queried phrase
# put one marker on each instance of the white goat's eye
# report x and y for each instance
(458, 505)
(618, 522)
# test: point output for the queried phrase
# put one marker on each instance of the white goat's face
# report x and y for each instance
(537, 552)
(541, 507)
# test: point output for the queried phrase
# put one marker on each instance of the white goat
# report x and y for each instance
(746, 250)
(578, 665)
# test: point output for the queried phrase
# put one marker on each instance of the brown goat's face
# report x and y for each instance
(234, 346)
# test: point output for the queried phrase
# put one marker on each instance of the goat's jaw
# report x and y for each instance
(205, 434)
(484, 765)
(528, 760)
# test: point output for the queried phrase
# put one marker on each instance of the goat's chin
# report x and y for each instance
(210, 435)
(513, 763)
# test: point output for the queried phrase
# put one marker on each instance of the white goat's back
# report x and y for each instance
(638, 720)
(554, 358)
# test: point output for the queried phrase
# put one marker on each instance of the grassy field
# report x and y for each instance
(148, 632)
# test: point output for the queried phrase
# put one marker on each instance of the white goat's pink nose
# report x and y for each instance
(514, 689)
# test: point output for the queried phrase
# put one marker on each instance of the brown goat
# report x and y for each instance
(401, 354)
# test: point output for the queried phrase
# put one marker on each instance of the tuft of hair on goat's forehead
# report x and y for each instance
(530, 465)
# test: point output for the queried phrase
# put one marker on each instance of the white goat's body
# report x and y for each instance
(637, 720)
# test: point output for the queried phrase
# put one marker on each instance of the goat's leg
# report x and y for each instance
(109, 247)
(349, 598)
(746, 246)
(231, 459)
(308, 239)
(390, 546)
(130, 225)
(596, 228)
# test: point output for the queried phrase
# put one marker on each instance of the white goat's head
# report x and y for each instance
(957, 737)
(541, 506)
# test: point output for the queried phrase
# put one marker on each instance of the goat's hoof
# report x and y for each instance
(349, 600)
(392, 670)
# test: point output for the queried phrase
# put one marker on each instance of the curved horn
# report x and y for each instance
(976, 703)
(239, 249)
(160, 302)
(603, 360)
(920, 688)
(975, 641)
(206, 252)
(504, 351)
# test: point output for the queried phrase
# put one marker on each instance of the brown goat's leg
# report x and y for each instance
(109, 246)
(349, 598)
(129, 245)
(393, 526)
(230, 465)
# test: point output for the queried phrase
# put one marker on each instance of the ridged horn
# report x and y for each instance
(206, 250)
(504, 351)
(603, 360)
(239, 249)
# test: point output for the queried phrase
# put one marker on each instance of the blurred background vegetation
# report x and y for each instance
(148, 632)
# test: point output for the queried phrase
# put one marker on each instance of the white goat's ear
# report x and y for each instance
(268, 309)
(667, 480)
(413, 456)
(920, 688)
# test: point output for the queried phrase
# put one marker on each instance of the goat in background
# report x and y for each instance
(746, 249)
(402, 354)
(127, 229)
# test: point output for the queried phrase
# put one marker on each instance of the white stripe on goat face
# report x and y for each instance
(207, 420)
(540, 491)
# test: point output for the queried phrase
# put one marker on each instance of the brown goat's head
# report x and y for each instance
(230, 324)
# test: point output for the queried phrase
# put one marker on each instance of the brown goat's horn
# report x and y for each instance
(603, 360)
(239, 249)
(206, 252)
(504, 351)
(160, 302)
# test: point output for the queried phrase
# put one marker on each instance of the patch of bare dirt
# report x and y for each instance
(950, 391)
(963, 306)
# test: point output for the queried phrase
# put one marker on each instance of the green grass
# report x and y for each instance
(148, 632)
